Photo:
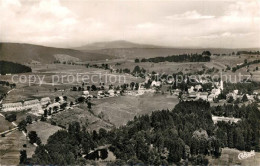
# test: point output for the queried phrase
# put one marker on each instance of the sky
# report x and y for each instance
(182, 23)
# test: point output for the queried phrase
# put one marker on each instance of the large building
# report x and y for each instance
(45, 101)
(12, 106)
(30, 104)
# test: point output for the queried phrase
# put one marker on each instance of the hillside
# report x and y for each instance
(130, 50)
(25, 53)
(114, 44)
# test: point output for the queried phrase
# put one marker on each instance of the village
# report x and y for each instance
(87, 93)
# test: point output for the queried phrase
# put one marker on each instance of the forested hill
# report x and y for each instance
(204, 57)
(26, 53)
(165, 137)
(13, 68)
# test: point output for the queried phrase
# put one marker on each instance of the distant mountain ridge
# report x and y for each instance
(115, 44)
(129, 50)
(26, 53)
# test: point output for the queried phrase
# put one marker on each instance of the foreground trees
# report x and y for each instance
(165, 137)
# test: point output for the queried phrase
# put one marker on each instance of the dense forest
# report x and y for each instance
(13, 68)
(243, 88)
(184, 135)
(233, 110)
(248, 52)
(179, 58)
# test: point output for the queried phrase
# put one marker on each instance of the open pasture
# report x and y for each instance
(114, 111)
(81, 115)
(10, 147)
(43, 130)
(164, 67)
(3, 89)
(119, 110)
(5, 125)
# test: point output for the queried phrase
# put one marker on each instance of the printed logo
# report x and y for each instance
(245, 155)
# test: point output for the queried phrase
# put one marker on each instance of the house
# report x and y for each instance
(147, 78)
(37, 110)
(170, 81)
(192, 95)
(34, 62)
(140, 91)
(141, 86)
(45, 100)
(51, 106)
(176, 92)
(111, 93)
(100, 94)
(202, 95)
(225, 119)
(211, 97)
(31, 103)
(250, 97)
(235, 92)
(12, 106)
(191, 89)
(198, 88)
(61, 99)
(215, 92)
(130, 93)
(156, 84)
(85, 92)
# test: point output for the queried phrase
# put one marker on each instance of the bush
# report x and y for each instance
(11, 117)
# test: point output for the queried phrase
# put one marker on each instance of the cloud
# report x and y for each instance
(224, 35)
(243, 12)
(171, 23)
(43, 20)
(190, 15)
(145, 25)
(10, 3)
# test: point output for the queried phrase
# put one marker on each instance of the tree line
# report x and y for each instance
(13, 68)
(179, 58)
(234, 69)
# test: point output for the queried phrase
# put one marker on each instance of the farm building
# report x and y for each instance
(211, 97)
(85, 92)
(31, 103)
(111, 92)
(51, 106)
(156, 84)
(191, 89)
(12, 106)
(45, 100)
(202, 95)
